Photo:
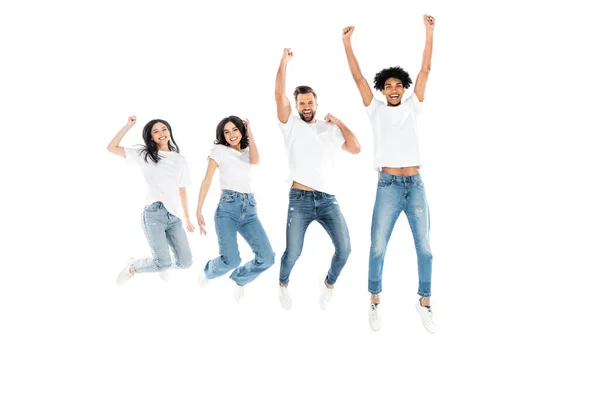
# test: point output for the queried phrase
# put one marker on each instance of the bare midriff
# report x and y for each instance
(301, 186)
(403, 171)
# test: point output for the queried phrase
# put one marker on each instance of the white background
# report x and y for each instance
(510, 166)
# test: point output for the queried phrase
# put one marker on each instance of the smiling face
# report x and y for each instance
(160, 135)
(393, 90)
(232, 134)
(306, 104)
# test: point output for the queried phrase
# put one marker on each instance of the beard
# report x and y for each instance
(307, 119)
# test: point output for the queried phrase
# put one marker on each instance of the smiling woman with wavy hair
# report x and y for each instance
(166, 174)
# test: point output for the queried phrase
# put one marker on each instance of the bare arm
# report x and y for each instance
(254, 156)
(359, 79)
(426, 63)
(210, 171)
(283, 104)
(351, 144)
(184, 205)
(113, 146)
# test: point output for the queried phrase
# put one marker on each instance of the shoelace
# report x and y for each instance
(374, 313)
(430, 314)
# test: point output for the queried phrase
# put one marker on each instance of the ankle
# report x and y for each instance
(424, 301)
(375, 299)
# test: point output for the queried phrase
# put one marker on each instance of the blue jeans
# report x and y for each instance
(162, 230)
(235, 213)
(306, 206)
(394, 195)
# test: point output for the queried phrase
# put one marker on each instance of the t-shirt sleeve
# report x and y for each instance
(286, 128)
(133, 156)
(185, 179)
(375, 104)
(217, 154)
(336, 137)
(415, 103)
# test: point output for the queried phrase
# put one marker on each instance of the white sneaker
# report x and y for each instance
(164, 274)
(125, 274)
(375, 317)
(202, 279)
(426, 315)
(284, 298)
(326, 297)
(238, 292)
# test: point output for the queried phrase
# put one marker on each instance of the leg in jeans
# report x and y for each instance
(226, 221)
(252, 231)
(388, 206)
(300, 215)
(178, 241)
(331, 218)
(154, 223)
(417, 211)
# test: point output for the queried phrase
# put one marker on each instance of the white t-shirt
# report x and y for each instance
(395, 132)
(164, 178)
(311, 150)
(234, 168)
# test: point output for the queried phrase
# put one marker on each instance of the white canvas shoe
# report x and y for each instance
(426, 315)
(375, 317)
(202, 279)
(164, 274)
(284, 298)
(326, 297)
(125, 273)
(238, 292)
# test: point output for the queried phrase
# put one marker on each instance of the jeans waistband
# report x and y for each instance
(155, 206)
(233, 193)
(314, 193)
(400, 178)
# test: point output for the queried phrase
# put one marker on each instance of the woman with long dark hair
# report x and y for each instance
(167, 174)
(234, 154)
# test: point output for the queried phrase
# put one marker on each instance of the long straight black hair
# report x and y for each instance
(237, 121)
(150, 149)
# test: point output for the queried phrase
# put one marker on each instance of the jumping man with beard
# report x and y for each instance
(311, 145)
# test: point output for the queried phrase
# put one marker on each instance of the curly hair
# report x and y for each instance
(237, 121)
(392, 72)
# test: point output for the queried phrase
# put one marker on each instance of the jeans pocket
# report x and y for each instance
(226, 199)
(384, 182)
(419, 183)
(252, 202)
(295, 196)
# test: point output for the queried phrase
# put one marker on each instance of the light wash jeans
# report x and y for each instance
(235, 213)
(394, 195)
(306, 206)
(163, 230)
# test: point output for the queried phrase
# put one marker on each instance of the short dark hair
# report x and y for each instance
(392, 72)
(303, 90)
(237, 121)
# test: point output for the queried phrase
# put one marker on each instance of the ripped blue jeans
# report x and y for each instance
(394, 195)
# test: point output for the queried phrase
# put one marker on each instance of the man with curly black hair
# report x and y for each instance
(400, 187)
(311, 146)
